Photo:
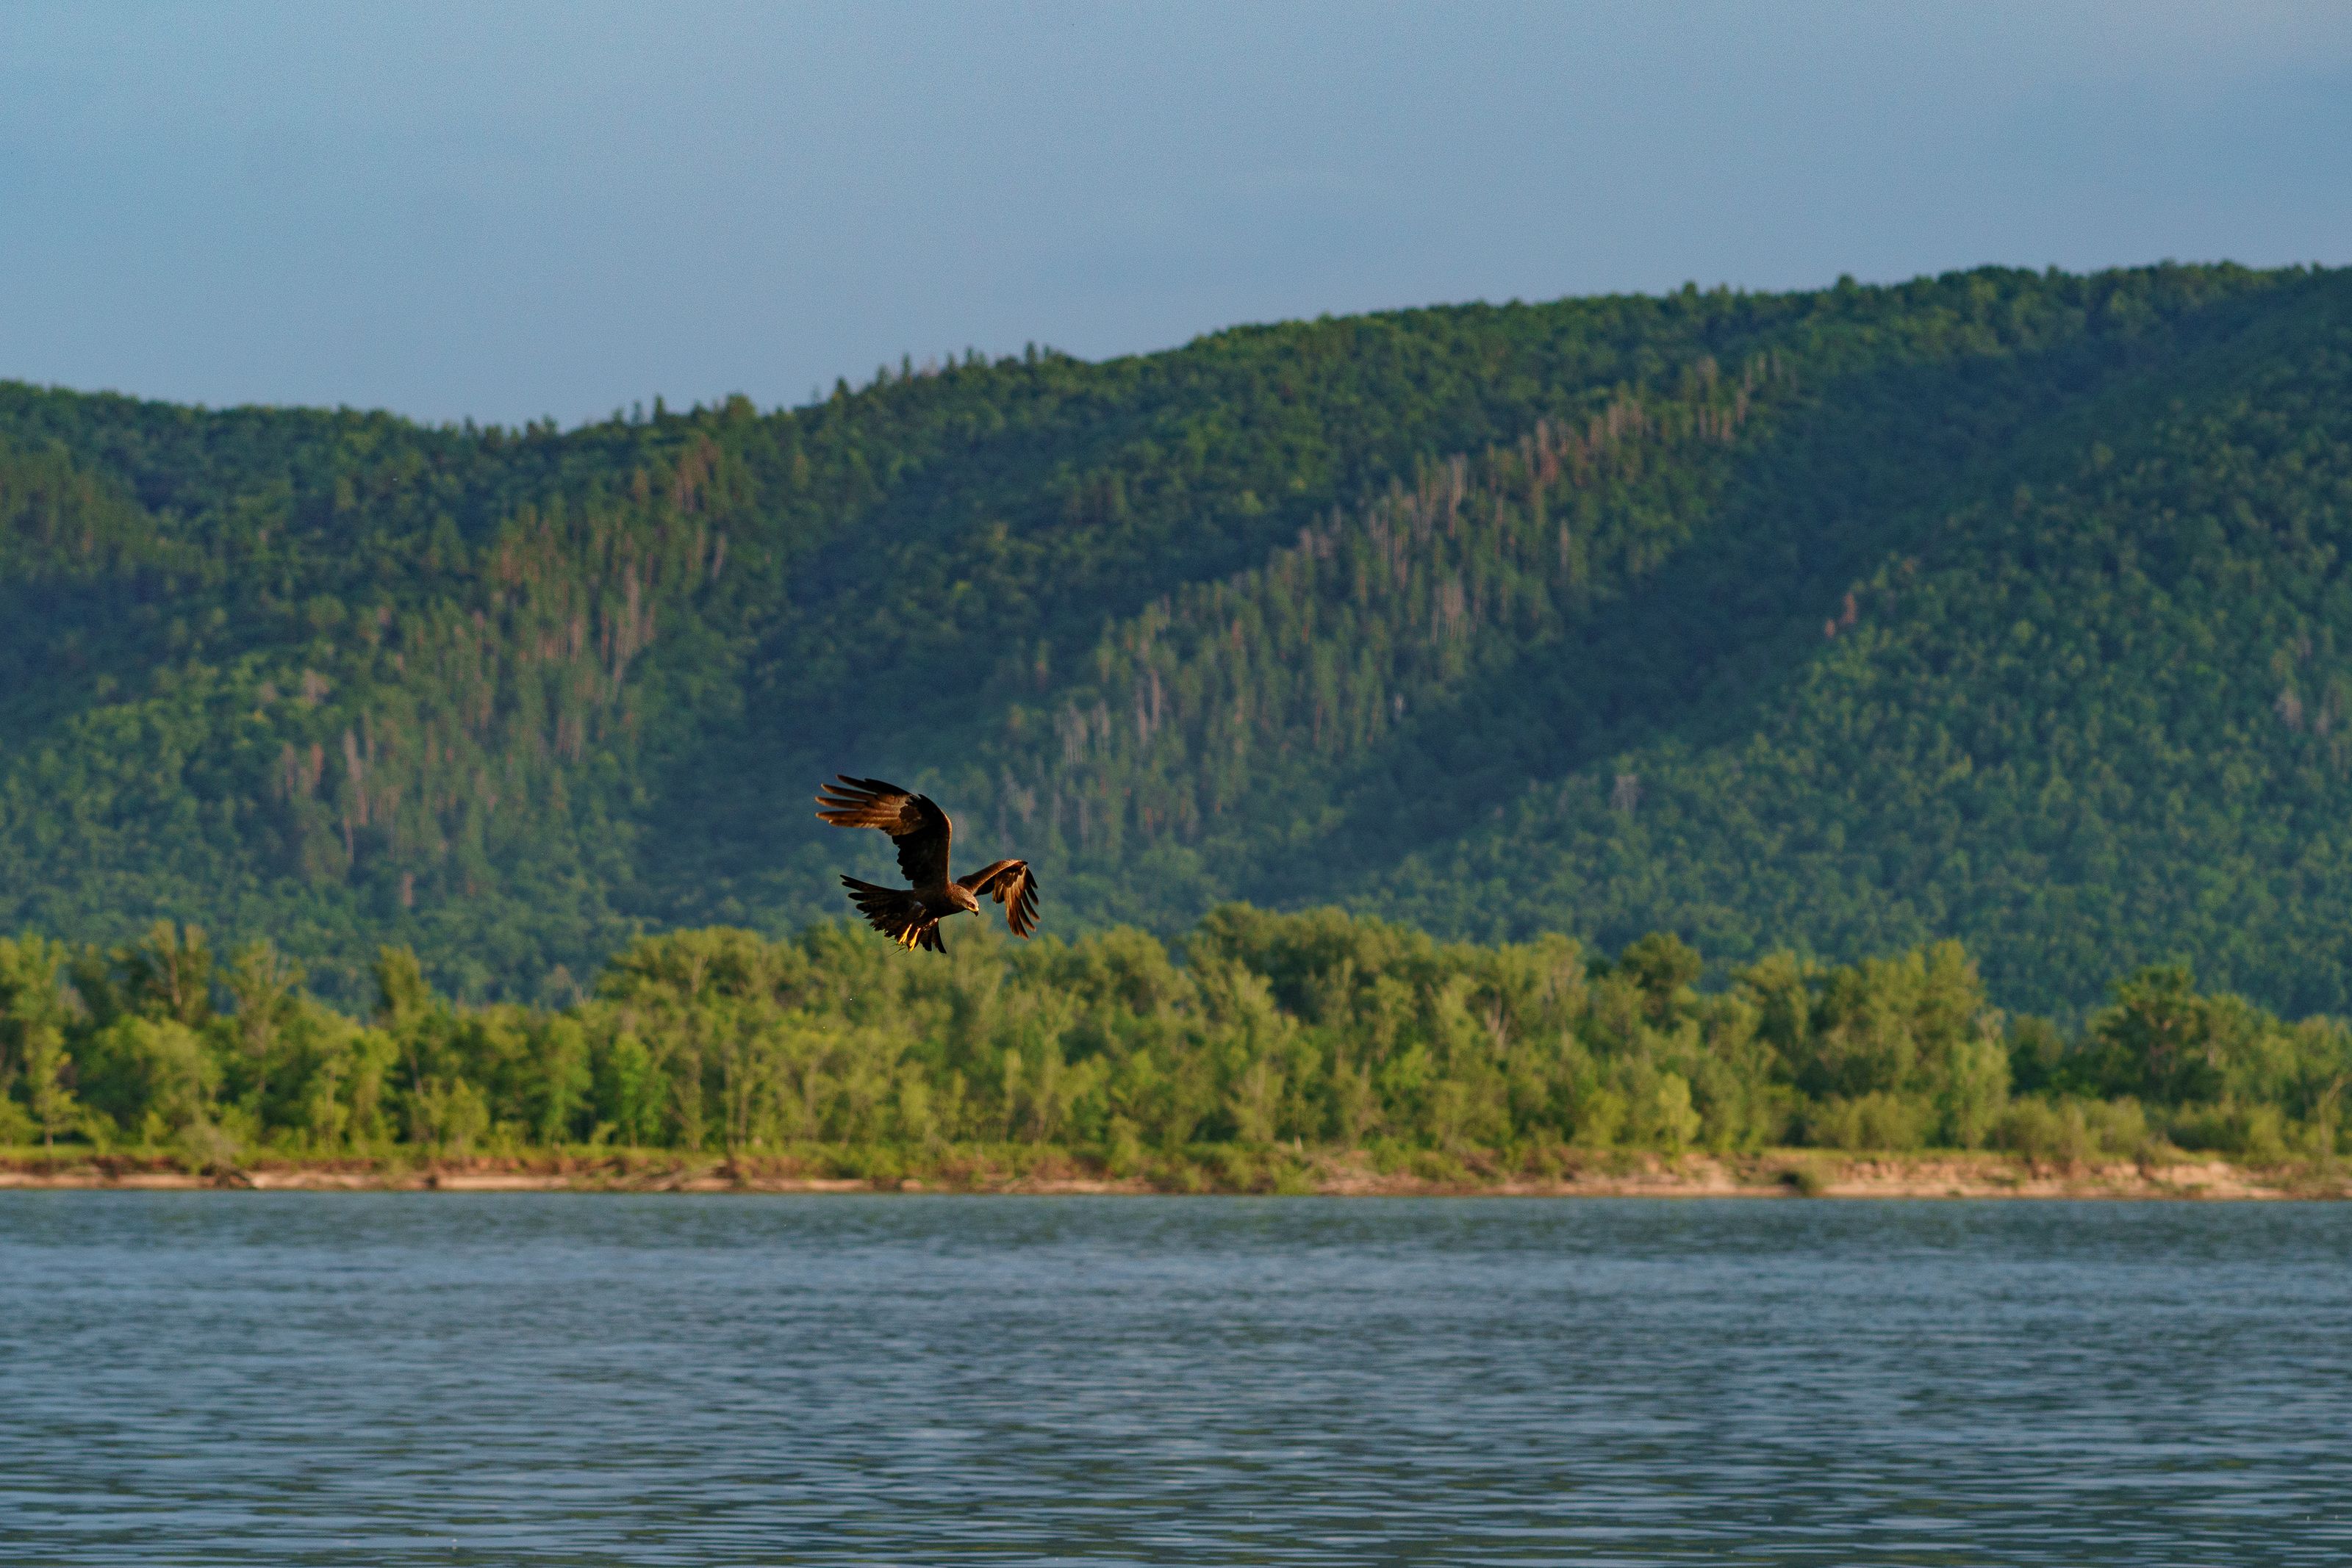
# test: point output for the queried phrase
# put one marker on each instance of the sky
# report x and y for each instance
(522, 210)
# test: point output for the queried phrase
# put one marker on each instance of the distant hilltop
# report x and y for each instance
(2002, 605)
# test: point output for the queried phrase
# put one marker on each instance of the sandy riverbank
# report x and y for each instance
(1773, 1174)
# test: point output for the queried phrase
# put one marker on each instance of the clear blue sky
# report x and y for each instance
(505, 209)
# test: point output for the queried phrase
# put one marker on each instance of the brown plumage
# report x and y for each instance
(910, 916)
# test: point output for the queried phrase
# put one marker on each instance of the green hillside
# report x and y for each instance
(2000, 605)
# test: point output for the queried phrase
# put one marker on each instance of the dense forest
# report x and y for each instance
(1275, 1032)
(1999, 606)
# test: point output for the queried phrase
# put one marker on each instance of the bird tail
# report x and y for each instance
(895, 912)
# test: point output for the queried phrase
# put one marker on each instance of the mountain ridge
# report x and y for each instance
(1500, 619)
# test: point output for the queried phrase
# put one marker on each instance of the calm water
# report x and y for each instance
(236, 1377)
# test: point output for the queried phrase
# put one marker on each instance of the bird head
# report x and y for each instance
(966, 900)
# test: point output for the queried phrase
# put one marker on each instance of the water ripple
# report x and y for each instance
(215, 1378)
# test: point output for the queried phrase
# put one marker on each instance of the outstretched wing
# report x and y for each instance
(1012, 884)
(918, 827)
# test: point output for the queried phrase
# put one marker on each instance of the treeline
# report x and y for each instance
(1266, 1032)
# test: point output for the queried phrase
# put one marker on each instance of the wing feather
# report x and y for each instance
(1012, 885)
(916, 825)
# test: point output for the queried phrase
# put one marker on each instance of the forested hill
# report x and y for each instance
(2001, 605)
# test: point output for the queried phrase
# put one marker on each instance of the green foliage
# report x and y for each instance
(1997, 606)
(34, 1018)
(2078, 710)
(1269, 1034)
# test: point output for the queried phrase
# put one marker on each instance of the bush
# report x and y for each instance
(2248, 1132)
(1806, 1180)
(2072, 1130)
(451, 1117)
(1600, 1118)
(1876, 1121)
(1673, 1124)
(141, 1071)
(2119, 1127)
(1974, 1095)
(2042, 1131)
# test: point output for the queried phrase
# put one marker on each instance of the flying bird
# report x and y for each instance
(910, 916)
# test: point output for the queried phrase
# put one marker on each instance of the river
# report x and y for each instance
(477, 1379)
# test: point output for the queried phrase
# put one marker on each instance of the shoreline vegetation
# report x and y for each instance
(1322, 1173)
(1271, 1052)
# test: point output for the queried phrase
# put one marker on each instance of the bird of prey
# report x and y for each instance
(910, 916)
